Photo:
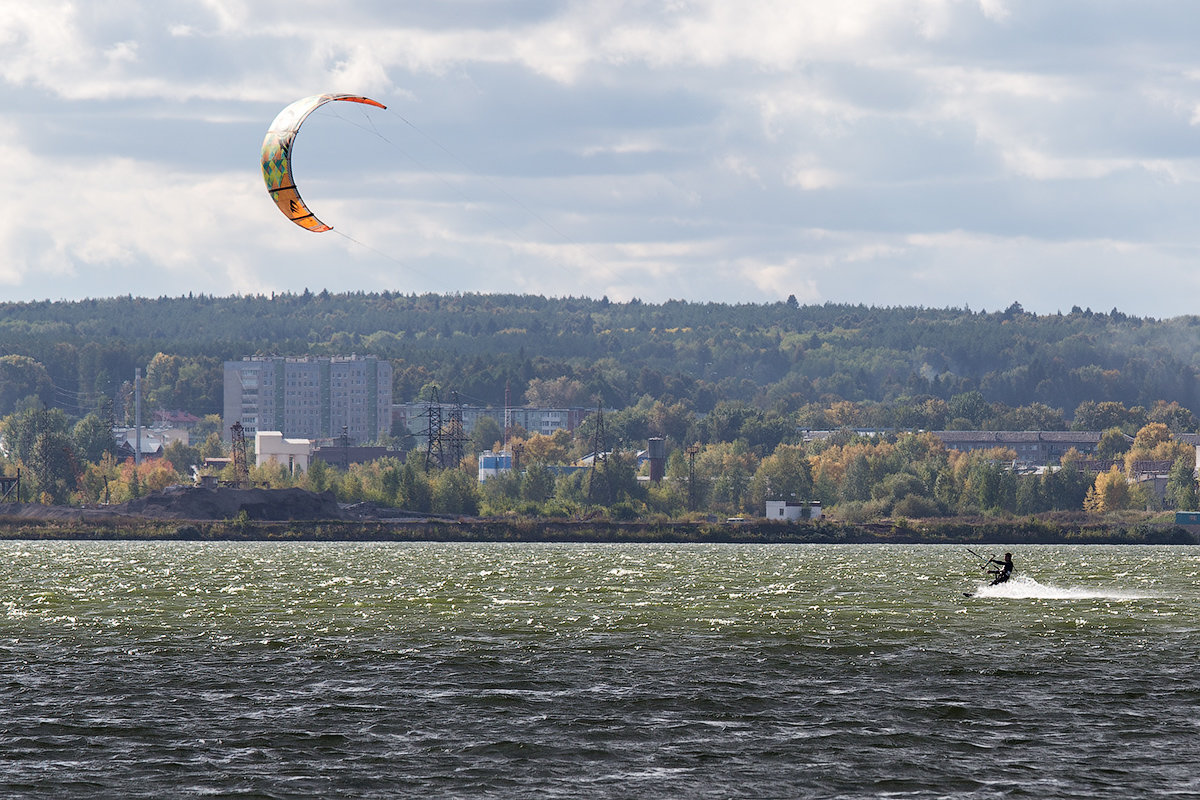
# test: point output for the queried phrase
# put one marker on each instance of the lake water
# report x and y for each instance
(598, 671)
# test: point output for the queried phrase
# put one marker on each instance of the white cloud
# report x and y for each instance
(925, 151)
(807, 173)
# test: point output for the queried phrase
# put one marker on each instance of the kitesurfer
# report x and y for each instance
(1005, 570)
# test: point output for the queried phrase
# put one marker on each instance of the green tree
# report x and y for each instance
(1065, 489)
(22, 377)
(990, 485)
(391, 474)
(1177, 418)
(162, 375)
(969, 408)
(182, 457)
(1112, 445)
(485, 434)
(1182, 492)
(899, 486)
(560, 392)
(212, 447)
(537, 484)
(858, 480)
(1102, 416)
(92, 437)
(415, 492)
(783, 475)
(208, 425)
(52, 460)
(501, 494)
(319, 477)
(22, 429)
(455, 492)
(1030, 498)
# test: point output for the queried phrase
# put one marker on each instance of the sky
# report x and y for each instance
(934, 153)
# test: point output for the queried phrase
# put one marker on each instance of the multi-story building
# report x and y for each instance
(414, 417)
(1037, 448)
(310, 398)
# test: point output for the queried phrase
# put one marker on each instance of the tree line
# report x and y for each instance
(738, 383)
(779, 356)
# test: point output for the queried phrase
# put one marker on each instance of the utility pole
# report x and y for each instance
(241, 469)
(599, 457)
(137, 416)
(455, 433)
(691, 454)
(507, 412)
(433, 433)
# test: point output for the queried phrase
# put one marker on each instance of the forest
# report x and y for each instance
(732, 388)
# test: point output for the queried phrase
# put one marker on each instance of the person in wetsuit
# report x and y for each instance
(1005, 569)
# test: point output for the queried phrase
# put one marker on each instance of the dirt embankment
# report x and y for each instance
(253, 514)
(187, 503)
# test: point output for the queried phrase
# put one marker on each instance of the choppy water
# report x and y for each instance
(545, 671)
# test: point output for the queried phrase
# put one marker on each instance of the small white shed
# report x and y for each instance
(793, 510)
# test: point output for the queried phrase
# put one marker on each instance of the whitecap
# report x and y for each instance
(1025, 588)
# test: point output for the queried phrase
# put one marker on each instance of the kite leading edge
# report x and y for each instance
(277, 157)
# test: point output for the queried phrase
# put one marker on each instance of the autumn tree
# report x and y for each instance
(1177, 418)
(542, 449)
(1112, 492)
(1154, 442)
(783, 475)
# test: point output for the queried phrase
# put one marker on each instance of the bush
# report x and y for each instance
(916, 506)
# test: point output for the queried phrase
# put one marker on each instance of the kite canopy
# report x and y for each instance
(277, 157)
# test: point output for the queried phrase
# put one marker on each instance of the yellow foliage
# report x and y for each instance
(1110, 492)
(552, 449)
(845, 414)
(830, 464)
(1154, 442)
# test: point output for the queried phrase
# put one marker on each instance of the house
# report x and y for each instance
(793, 510)
(175, 419)
(153, 440)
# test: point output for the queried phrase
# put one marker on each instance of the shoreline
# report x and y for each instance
(82, 526)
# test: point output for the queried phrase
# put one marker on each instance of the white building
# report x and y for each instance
(793, 510)
(492, 464)
(272, 446)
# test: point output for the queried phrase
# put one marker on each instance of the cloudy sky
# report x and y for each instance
(965, 153)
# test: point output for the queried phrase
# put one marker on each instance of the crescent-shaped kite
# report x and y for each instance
(277, 157)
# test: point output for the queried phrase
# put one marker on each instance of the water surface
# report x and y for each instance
(542, 671)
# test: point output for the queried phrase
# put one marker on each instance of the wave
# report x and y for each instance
(1024, 588)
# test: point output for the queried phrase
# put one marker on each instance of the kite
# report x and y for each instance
(277, 157)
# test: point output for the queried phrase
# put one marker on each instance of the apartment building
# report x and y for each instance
(310, 398)
(414, 417)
